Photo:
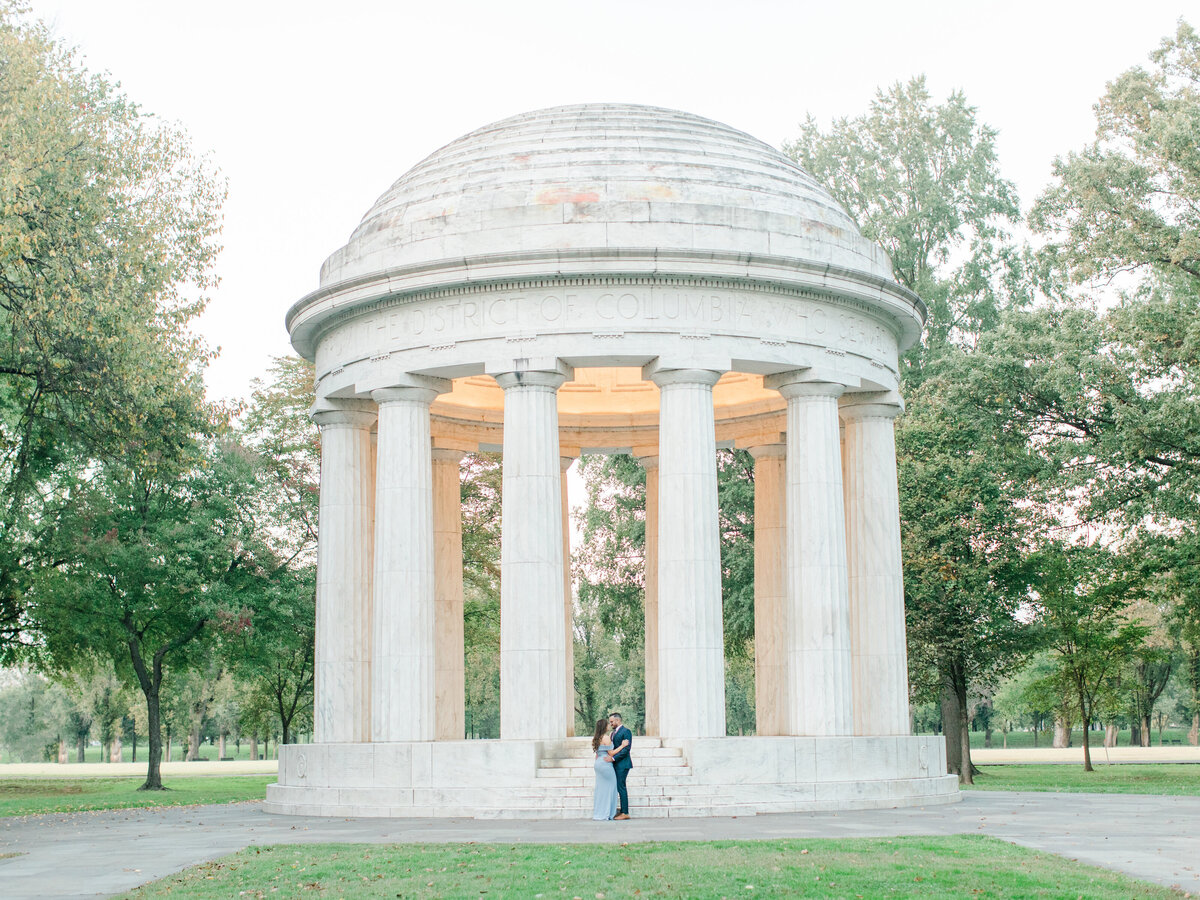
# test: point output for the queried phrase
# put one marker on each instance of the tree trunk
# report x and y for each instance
(80, 749)
(1145, 731)
(1062, 732)
(63, 753)
(1135, 734)
(115, 754)
(1194, 677)
(193, 750)
(221, 746)
(154, 741)
(254, 745)
(949, 704)
(1110, 734)
(1085, 712)
(956, 725)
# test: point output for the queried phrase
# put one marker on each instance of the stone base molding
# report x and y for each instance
(733, 776)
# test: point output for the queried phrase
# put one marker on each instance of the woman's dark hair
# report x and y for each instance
(601, 731)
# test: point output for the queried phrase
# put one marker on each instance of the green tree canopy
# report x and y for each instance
(923, 180)
(108, 227)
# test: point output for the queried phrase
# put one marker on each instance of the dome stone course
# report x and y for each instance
(603, 177)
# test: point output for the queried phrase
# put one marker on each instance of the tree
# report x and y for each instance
(1126, 211)
(922, 179)
(481, 478)
(276, 656)
(108, 227)
(1128, 201)
(962, 484)
(160, 566)
(1083, 597)
(33, 718)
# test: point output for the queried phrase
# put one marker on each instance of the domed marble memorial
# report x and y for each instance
(600, 279)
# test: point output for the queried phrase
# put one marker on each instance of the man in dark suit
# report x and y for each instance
(619, 756)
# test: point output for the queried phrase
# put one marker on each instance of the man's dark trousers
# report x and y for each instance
(621, 766)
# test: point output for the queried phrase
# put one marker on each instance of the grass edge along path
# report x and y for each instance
(955, 866)
(32, 795)
(1167, 779)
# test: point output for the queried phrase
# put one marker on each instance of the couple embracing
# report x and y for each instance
(611, 744)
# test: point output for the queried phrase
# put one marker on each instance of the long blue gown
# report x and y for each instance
(605, 806)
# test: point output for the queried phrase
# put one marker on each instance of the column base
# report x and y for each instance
(733, 776)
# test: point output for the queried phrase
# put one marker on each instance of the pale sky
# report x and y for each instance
(311, 110)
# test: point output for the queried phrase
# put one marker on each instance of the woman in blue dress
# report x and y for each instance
(605, 805)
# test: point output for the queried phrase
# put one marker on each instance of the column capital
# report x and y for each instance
(412, 389)
(803, 383)
(564, 462)
(541, 378)
(442, 454)
(768, 451)
(348, 413)
(667, 377)
(649, 461)
(870, 405)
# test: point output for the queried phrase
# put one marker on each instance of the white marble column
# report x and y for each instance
(568, 607)
(770, 588)
(691, 642)
(532, 652)
(820, 692)
(650, 600)
(342, 683)
(876, 581)
(403, 687)
(449, 676)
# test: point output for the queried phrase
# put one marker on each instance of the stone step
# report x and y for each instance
(585, 752)
(581, 795)
(664, 777)
(639, 762)
(648, 812)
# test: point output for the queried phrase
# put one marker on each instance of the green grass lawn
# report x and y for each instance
(207, 751)
(1125, 778)
(1021, 740)
(26, 796)
(959, 866)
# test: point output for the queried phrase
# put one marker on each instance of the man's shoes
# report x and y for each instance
(620, 816)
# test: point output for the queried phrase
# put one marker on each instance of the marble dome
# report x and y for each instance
(604, 177)
(602, 189)
(604, 237)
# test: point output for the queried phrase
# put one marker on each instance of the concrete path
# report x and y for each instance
(103, 853)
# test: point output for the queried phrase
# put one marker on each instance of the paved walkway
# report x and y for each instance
(103, 853)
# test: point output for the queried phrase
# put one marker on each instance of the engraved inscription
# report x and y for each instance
(604, 311)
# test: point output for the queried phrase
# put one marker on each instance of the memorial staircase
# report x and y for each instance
(660, 785)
